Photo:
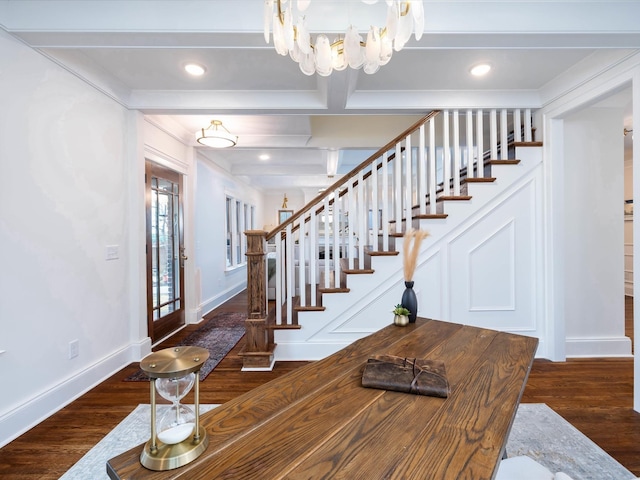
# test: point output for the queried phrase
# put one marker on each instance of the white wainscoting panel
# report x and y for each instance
(493, 256)
(492, 266)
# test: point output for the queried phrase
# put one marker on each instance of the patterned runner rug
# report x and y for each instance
(537, 432)
(218, 335)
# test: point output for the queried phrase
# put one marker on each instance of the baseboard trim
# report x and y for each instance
(260, 369)
(19, 420)
(217, 300)
(306, 351)
(598, 347)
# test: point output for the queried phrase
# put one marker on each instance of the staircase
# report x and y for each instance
(319, 280)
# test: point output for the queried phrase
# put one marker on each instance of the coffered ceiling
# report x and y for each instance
(135, 50)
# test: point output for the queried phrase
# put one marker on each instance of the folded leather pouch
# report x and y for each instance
(409, 375)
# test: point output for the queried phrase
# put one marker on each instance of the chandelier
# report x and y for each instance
(216, 136)
(351, 49)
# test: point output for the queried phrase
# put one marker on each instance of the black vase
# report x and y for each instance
(410, 301)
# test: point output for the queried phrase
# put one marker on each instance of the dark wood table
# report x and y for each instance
(319, 422)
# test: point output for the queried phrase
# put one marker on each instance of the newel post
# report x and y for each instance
(259, 343)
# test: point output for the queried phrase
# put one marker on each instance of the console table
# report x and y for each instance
(319, 422)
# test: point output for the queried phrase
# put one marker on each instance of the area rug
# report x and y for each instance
(132, 431)
(540, 433)
(218, 335)
(537, 432)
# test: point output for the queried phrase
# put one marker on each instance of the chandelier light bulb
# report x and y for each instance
(318, 55)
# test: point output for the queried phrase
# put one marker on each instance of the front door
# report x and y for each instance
(165, 251)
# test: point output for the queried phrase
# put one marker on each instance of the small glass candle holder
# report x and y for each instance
(176, 437)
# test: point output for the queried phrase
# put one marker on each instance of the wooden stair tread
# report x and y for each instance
(526, 144)
(310, 308)
(448, 198)
(334, 290)
(480, 180)
(514, 161)
(287, 326)
(430, 216)
(380, 253)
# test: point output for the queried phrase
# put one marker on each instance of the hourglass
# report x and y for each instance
(176, 437)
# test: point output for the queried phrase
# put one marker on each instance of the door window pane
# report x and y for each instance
(165, 247)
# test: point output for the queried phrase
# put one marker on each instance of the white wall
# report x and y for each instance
(65, 197)
(216, 283)
(594, 226)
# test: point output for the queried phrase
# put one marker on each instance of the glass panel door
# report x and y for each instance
(165, 252)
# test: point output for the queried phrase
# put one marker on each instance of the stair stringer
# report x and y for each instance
(367, 306)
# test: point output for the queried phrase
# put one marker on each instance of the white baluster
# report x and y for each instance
(385, 201)
(397, 192)
(456, 153)
(290, 273)
(326, 241)
(528, 133)
(362, 218)
(517, 126)
(278, 279)
(432, 166)
(337, 243)
(352, 224)
(408, 187)
(493, 134)
(302, 261)
(504, 135)
(313, 254)
(375, 202)
(422, 169)
(469, 117)
(480, 142)
(447, 155)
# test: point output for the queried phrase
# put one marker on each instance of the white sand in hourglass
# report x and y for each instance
(176, 434)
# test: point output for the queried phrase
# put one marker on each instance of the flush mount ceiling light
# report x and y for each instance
(194, 69)
(291, 36)
(216, 136)
(480, 69)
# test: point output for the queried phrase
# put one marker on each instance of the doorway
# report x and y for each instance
(165, 251)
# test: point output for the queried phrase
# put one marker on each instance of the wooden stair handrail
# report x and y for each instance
(352, 173)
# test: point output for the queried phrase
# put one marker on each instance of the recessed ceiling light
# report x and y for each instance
(194, 69)
(480, 70)
(264, 156)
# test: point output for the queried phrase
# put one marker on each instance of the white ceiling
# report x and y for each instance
(135, 50)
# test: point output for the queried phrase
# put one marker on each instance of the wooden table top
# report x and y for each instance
(319, 422)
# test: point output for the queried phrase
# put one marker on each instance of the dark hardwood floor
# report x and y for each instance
(595, 395)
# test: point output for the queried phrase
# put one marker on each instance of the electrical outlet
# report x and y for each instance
(74, 348)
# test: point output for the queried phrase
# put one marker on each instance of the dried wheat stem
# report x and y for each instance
(411, 252)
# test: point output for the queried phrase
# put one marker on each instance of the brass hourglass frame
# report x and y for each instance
(175, 362)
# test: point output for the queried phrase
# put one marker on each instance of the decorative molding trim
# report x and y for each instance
(162, 158)
(509, 226)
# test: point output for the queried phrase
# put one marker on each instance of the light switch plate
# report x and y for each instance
(112, 252)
